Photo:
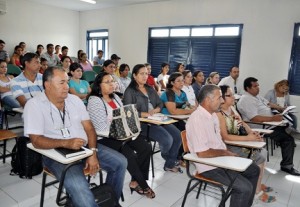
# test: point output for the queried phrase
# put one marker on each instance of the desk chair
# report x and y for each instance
(198, 177)
(97, 68)
(4, 136)
(13, 70)
(89, 76)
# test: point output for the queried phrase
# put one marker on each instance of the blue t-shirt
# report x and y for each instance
(179, 100)
(81, 87)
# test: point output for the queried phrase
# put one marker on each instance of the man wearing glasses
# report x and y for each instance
(61, 120)
(29, 83)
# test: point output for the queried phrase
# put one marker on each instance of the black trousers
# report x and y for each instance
(137, 153)
(286, 143)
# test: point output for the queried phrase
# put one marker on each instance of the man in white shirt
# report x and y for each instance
(58, 119)
(233, 80)
(53, 60)
(257, 109)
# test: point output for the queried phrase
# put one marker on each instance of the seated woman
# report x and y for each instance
(174, 99)
(163, 77)
(15, 59)
(101, 102)
(110, 67)
(198, 80)
(148, 103)
(151, 81)
(80, 88)
(5, 92)
(230, 126)
(179, 68)
(188, 89)
(85, 63)
(39, 50)
(213, 78)
(66, 62)
(281, 98)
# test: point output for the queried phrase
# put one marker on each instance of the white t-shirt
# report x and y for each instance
(41, 117)
(190, 94)
(164, 78)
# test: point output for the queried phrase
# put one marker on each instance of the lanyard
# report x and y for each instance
(63, 116)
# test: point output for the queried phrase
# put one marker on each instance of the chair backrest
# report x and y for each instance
(184, 142)
(13, 70)
(97, 68)
(89, 76)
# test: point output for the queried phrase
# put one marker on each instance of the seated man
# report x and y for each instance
(58, 119)
(257, 109)
(29, 83)
(204, 139)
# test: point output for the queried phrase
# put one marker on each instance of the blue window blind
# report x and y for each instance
(206, 53)
(294, 66)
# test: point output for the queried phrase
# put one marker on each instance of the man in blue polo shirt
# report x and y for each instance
(29, 83)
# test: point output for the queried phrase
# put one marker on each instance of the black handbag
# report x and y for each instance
(242, 131)
(125, 123)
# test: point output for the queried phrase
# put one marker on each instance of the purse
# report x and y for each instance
(125, 123)
(242, 131)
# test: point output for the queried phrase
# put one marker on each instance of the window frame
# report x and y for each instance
(104, 45)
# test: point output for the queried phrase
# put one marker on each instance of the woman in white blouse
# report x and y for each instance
(188, 89)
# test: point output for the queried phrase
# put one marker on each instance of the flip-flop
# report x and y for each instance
(266, 189)
(267, 198)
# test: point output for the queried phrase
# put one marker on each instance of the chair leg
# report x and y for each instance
(43, 189)
(199, 189)
(186, 192)
(152, 164)
(4, 150)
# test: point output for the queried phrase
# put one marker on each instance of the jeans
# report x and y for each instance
(11, 102)
(244, 186)
(169, 139)
(286, 143)
(76, 183)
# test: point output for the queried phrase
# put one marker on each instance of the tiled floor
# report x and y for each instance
(169, 188)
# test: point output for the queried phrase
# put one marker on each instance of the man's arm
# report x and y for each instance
(260, 118)
(22, 100)
(215, 153)
(42, 142)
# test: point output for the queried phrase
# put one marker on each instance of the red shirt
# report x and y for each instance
(151, 81)
(112, 104)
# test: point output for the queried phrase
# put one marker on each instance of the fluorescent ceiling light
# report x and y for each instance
(89, 1)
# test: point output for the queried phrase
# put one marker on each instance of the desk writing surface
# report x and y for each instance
(179, 117)
(239, 164)
(265, 131)
(276, 123)
(53, 154)
(19, 110)
(247, 144)
(145, 120)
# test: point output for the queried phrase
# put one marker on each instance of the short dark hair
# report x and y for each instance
(28, 57)
(206, 91)
(248, 82)
(43, 60)
(38, 46)
(234, 66)
(48, 74)
(75, 66)
(99, 51)
(64, 48)
(49, 45)
(123, 67)
(2, 61)
(56, 46)
(2, 42)
(224, 89)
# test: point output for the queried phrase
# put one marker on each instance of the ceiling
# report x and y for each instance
(77, 5)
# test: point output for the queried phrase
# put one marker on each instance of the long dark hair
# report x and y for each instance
(195, 74)
(172, 78)
(224, 89)
(96, 89)
(133, 84)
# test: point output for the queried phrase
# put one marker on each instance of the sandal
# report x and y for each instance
(266, 189)
(138, 189)
(149, 193)
(264, 197)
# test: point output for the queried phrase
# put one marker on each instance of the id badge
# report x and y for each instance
(65, 132)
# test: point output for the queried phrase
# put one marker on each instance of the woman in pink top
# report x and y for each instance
(15, 59)
(85, 63)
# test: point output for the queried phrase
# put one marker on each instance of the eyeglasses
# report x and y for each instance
(229, 95)
(32, 86)
(109, 82)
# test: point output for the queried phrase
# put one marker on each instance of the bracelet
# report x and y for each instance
(94, 149)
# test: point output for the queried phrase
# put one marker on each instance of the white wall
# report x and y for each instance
(39, 24)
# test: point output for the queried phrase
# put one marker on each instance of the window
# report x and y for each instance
(294, 66)
(207, 48)
(97, 40)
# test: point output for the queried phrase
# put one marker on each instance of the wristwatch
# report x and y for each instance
(94, 149)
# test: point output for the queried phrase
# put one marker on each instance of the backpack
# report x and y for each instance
(25, 162)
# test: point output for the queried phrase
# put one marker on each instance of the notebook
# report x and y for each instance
(68, 153)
